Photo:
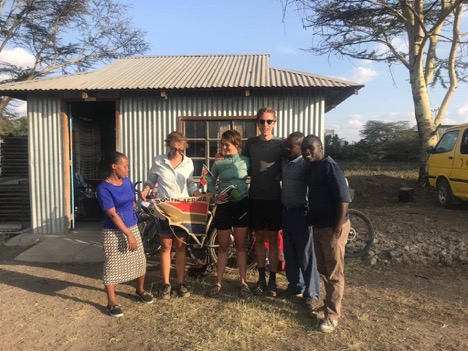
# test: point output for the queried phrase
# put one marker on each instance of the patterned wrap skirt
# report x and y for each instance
(121, 264)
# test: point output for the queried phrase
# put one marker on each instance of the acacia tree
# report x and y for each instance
(389, 141)
(373, 30)
(65, 36)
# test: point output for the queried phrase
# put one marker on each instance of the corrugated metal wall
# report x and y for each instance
(145, 122)
(46, 166)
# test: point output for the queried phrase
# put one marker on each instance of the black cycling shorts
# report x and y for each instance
(265, 214)
(232, 214)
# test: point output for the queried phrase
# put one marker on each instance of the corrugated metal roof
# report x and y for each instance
(181, 72)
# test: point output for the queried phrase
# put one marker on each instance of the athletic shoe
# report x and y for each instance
(289, 294)
(260, 287)
(272, 290)
(166, 292)
(182, 291)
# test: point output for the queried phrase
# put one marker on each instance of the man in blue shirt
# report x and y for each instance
(328, 214)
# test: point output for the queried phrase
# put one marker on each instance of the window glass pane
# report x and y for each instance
(216, 128)
(198, 165)
(246, 129)
(214, 148)
(196, 149)
(195, 129)
(447, 143)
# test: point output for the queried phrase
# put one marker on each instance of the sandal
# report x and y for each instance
(244, 291)
(214, 290)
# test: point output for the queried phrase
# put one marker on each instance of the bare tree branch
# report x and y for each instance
(374, 30)
(66, 35)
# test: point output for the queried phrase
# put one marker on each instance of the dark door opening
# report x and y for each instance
(93, 132)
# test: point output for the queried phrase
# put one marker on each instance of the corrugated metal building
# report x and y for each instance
(133, 103)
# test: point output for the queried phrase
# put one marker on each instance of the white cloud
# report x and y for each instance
(398, 43)
(350, 129)
(463, 110)
(364, 74)
(451, 120)
(18, 57)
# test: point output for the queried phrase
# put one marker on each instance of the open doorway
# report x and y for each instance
(93, 134)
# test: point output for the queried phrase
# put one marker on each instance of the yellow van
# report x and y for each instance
(447, 166)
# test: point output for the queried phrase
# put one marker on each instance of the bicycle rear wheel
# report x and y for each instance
(231, 263)
(361, 235)
(149, 235)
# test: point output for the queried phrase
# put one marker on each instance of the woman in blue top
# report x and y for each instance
(232, 210)
(124, 258)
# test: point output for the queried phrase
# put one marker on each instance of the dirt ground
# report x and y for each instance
(404, 300)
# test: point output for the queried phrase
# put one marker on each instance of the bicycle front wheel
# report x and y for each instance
(361, 235)
(232, 263)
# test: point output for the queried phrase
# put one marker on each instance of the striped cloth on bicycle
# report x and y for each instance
(187, 213)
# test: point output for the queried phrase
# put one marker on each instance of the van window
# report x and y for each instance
(447, 142)
(464, 143)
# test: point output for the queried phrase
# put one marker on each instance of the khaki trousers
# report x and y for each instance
(330, 251)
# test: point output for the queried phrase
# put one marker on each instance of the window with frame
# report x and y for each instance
(204, 136)
(447, 142)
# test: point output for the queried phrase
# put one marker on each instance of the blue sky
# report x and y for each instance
(257, 26)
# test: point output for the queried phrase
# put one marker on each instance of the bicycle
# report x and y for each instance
(202, 249)
(361, 234)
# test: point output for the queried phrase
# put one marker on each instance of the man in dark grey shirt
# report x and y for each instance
(265, 152)
(301, 266)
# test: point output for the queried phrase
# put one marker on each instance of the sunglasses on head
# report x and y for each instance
(269, 121)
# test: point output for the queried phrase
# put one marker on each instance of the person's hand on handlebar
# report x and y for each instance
(144, 193)
(221, 197)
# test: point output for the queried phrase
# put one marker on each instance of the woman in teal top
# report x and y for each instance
(232, 211)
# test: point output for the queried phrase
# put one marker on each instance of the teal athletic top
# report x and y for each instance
(233, 170)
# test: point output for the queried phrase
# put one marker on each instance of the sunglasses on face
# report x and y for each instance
(269, 121)
(173, 149)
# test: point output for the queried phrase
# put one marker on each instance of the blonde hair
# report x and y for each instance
(266, 109)
(177, 137)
